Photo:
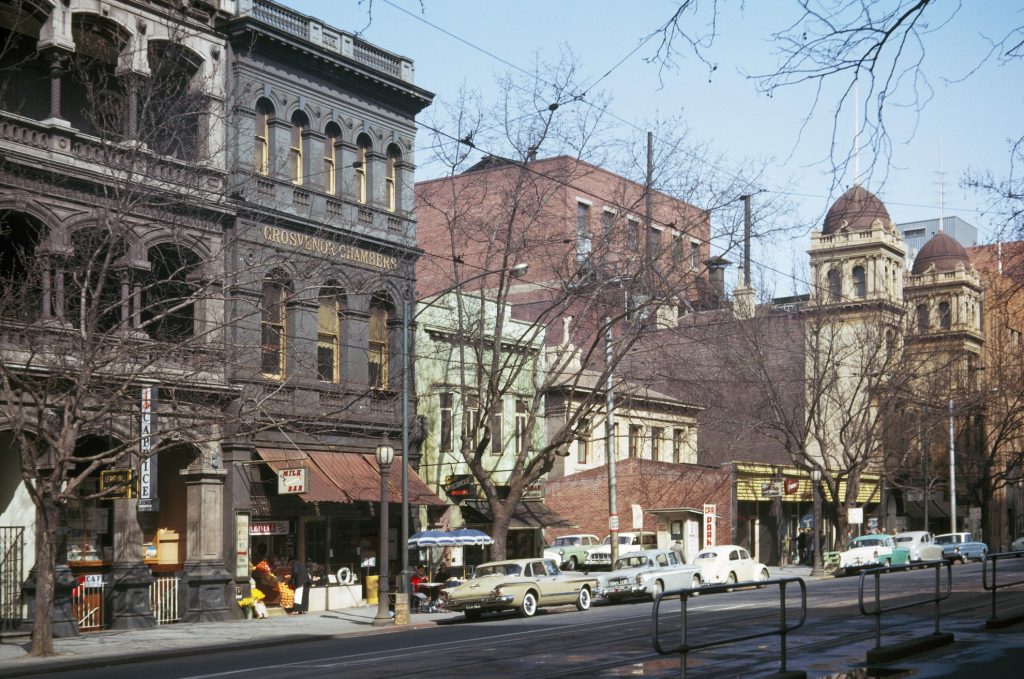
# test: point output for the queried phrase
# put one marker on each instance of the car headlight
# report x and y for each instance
(639, 579)
(561, 552)
(496, 591)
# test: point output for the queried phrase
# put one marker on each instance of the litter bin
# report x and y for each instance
(371, 588)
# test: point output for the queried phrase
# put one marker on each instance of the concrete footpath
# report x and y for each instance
(97, 649)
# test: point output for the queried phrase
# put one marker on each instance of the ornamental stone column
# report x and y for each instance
(205, 582)
(130, 577)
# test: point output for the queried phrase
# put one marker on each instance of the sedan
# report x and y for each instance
(728, 564)
(869, 551)
(921, 544)
(569, 551)
(522, 585)
(959, 547)
(647, 573)
(1017, 545)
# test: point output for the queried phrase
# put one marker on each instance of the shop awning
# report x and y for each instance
(348, 477)
(529, 514)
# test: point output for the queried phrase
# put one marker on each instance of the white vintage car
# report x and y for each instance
(921, 544)
(601, 556)
(569, 551)
(728, 564)
(646, 573)
(522, 585)
(870, 551)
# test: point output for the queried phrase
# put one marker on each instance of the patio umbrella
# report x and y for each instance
(470, 536)
(431, 538)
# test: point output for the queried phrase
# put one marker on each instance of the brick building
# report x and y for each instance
(669, 498)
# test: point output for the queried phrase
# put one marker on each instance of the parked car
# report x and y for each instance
(921, 544)
(601, 556)
(959, 547)
(569, 551)
(646, 573)
(1017, 545)
(867, 551)
(522, 585)
(728, 564)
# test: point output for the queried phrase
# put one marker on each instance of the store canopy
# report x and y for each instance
(529, 514)
(347, 477)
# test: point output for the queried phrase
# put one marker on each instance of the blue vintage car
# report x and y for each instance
(959, 547)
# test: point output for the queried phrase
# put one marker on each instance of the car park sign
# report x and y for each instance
(709, 525)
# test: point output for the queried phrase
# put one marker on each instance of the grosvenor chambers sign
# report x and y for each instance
(328, 248)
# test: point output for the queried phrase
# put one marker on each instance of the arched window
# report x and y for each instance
(274, 327)
(362, 158)
(264, 112)
(923, 322)
(859, 282)
(300, 124)
(377, 349)
(331, 158)
(328, 336)
(945, 320)
(168, 309)
(171, 110)
(27, 280)
(97, 291)
(94, 96)
(391, 179)
(835, 291)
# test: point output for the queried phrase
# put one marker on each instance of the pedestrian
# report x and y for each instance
(680, 551)
(801, 546)
(301, 582)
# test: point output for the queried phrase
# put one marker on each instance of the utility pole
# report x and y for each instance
(952, 471)
(609, 447)
(403, 578)
(927, 487)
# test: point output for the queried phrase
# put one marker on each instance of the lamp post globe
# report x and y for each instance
(385, 456)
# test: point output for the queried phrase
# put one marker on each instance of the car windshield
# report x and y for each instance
(868, 542)
(899, 539)
(945, 539)
(623, 540)
(566, 542)
(631, 561)
(707, 555)
(497, 569)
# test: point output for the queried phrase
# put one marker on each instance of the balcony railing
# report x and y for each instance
(330, 39)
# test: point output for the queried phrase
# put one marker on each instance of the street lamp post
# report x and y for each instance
(385, 456)
(815, 488)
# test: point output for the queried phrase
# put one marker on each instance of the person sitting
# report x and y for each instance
(417, 597)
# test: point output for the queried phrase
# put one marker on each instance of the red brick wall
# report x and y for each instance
(583, 497)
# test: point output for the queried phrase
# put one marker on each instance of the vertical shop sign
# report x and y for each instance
(241, 545)
(148, 500)
(709, 525)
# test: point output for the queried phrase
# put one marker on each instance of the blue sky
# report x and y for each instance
(971, 120)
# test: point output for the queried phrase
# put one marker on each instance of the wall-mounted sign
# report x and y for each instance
(118, 484)
(291, 481)
(328, 248)
(460, 486)
(709, 526)
(915, 495)
(791, 486)
(638, 517)
(241, 545)
(268, 528)
(855, 515)
(535, 491)
(771, 489)
(148, 501)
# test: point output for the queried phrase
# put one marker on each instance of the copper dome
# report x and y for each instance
(941, 250)
(857, 210)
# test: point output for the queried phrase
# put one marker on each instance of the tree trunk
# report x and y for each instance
(47, 524)
(502, 517)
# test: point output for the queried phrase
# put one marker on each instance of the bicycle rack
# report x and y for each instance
(906, 648)
(685, 647)
(995, 622)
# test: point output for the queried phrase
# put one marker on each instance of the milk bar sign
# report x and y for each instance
(291, 481)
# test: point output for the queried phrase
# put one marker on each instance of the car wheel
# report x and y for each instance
(984, 555)
(573, 564)
(695, 583)
(888, 562)
(473, 616)
(583, 600)
(763, 577)
(529, 605)
(659, 587)
(731, 580)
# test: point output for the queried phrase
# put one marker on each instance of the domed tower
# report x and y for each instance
(857, 257)
(943, 293)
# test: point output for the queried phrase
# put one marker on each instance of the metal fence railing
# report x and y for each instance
(12, 575)
(87, 603)
(684, 647)
(163, 598)
(992, 584)
(938, 638)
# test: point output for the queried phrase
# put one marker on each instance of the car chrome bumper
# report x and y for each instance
(481, 603)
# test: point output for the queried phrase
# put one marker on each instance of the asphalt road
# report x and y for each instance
(615, 640)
